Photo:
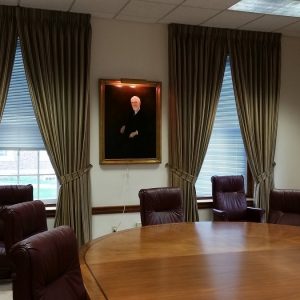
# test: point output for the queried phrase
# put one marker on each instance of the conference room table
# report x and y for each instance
(202, 260)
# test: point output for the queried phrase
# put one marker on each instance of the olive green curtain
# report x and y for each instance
(56, 50)
(8, 41)
(255, 61)
(197, 57)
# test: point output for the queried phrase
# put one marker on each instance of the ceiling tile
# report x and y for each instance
(63, 5)
(269, 23)
(102, 15)
(291, 30)
(166, 1)
(214, 4)
(231, 19)
(189, 15)
(213, 13)
(145, 9)
(9, 2)
(99, 7)
(136, 19)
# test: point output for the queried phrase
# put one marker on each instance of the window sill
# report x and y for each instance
(204, 203)
(102, 210)
(50, 210)
(208, 203)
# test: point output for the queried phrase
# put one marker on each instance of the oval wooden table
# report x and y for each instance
(204, 260)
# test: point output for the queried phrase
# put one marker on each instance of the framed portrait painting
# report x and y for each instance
(130, 121)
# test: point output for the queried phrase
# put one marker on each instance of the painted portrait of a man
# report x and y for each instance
(131, 124)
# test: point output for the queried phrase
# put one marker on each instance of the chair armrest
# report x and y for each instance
(255, 214)
(219, 215)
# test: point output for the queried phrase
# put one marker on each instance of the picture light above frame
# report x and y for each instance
(130, 121)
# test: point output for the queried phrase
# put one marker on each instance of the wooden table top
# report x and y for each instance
(204, 260)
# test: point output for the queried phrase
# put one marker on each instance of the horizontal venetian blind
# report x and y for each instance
(226, 153)
(18, 127)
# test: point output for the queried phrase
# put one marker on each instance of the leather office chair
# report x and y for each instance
(9, 195)
(19, 222)
(229, 200)
(47, 267)
(284, 207)
(13, 194)
(161, 205)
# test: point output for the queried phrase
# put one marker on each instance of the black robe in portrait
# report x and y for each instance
(138, 146)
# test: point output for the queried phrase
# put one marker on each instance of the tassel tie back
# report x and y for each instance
(75, 175)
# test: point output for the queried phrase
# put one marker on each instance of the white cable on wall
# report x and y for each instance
(124, 190)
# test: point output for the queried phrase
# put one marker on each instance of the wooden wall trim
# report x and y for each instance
(101, 210)
(119, 209)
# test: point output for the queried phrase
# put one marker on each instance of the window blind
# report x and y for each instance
(18, 127)
(226, 153)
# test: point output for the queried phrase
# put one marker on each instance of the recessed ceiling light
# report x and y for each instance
(290, 8)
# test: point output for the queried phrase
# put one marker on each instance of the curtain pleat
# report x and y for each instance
(196, 65)
(56, 50)
(197, 58)
(255, 61)
(8, 42)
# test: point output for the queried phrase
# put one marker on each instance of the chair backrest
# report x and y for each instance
(47, 267)
(228, 194)
(13, 194)
(284, 207)
(23, 220)
(161, 205)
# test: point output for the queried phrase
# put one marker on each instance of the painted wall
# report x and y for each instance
(137, 50)
(125, 50)
(287, 154)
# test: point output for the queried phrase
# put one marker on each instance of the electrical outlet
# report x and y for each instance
(138, 224)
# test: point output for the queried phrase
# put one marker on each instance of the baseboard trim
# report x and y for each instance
(119, 209)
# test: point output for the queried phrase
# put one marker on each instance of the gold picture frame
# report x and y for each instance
(130, 121)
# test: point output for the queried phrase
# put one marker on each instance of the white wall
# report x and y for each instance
(287, 156)
(137, 50)
(125, 50)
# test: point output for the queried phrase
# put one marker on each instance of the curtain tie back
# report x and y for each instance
(75, 175)
(183, 175)
(263, 176)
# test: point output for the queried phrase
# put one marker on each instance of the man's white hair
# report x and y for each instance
(136, 98)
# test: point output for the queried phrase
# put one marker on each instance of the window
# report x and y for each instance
(226, 153)
(23, 158)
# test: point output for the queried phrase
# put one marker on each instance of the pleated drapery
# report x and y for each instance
(8, 42)
(255, 61)
(196, 63)
(56, 50)
(197, 58)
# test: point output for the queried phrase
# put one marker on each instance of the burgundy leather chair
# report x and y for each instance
(13, 194)
(230, 202)
(284, 207)
(161, 205)
(19, 222)
(47, 267)
(9, 195)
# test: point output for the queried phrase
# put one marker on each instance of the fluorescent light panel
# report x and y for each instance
(290, 8)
